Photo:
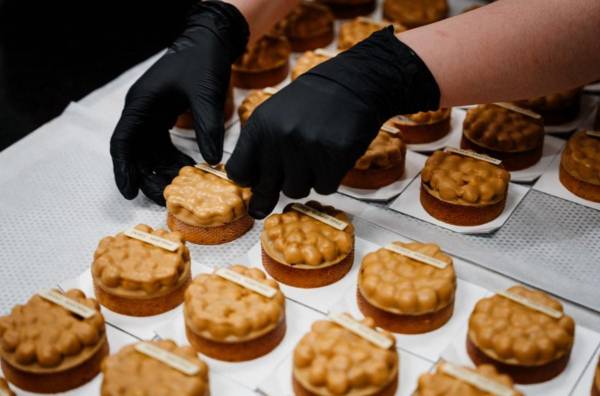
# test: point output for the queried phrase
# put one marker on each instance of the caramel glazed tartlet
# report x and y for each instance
(524, 343)
(301, 251)
(308, 26)
(264, 64)
(350, 8)
(415, 13)
(356, 30)
(514, 138)
(228, 322)
(254, 99)
(307, 61)
(461, 190)
(131, 373)
(47, 349)
(205, 208)
(579, 168)
(423, 127)
(136, 278)
(404, 295)
(332, 361)
(557, 108)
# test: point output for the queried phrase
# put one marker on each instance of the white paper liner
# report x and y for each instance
(552, 147)
(451, 139)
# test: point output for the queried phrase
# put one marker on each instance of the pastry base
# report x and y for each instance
(211, 235)
(349, 10)
(582, 189)
(301, 44)
(257, 79)
(56, 382)
(404, 324)
(462, 215)
(388, 390)
(307, 278)
(372, 179)
(238, 351)
(424, 133)
(519, 374)
(562, 116)
(512, 161)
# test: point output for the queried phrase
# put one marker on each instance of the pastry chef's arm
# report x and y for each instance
(262, 15)
(511, 49)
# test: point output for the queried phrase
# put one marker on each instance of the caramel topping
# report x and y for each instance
(205, 200)
(515, 334)
(130, 267)
(439, 383)
(308, 19)
(41, 336)
(413, 13)
(556, 101)
(331, 360)
(423, 117)
(464, 180)
(307, 61)
(358, 29)
(581, 157)
(385, 151)
(5, 388)
(500, 129)
(401, 285)
(266, 53)
(296, 239)
(221, 310)
(131, 373)
(254, 99)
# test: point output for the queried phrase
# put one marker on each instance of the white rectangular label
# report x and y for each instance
(593, 133)
(322, 217)
(247, 282)
(322, 52)
(472, 154)
(518, 109)
(404, 119)
(553, 313)
(423, 258)
(270, 90)
(67, 303)
(369, 334)
(168, 358)
(209, 169)
(390, 129)
(477, 380)
(152, 239)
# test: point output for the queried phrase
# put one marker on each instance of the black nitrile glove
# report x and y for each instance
(310, 134)
(194, 73)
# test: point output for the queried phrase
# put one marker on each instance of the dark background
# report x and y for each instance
(55, 52)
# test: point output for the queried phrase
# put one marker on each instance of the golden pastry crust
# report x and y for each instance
(254, 99)
(308, 26)
(331, 360)
(414, 13)
(581, 158)
(555, 101)
(385, 151)
(265, 63)
(5, 388)
(424, 117)
(307, 61)
(358, 29)
(129, 373)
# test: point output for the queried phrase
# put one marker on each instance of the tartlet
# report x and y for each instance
(254, 99)
(425, 126)
(47, 349)
(140, 374)
(186, 119)
(331, 360)
(350, 8)
(580, 166)
(557, 108)
(205, 208)
(526, 344)
(307, 27)
(461, 190)
(301, 251)
(415, 13)
(4, 387)
(596, 382)
(264, 64)
(136, 278)
(228, 322)
(354, 31)
(404, 295)
(514, 138)
(307, 61)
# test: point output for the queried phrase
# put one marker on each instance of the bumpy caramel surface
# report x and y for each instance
(515, 334)
(4, 387)
(331, 360)
(254, 99)
(221, 310)
(267, 53)
(202, 199)
(307, 61)
(405, 286)
(385, 151)
(463, 180)
(41, 336)
(556, 101)
(441, 384)
(358, 29)
(424, 117)
(501, 129)
(416, 12)
(296, 239)
(581, 158)
(128, 267)
(308, 19)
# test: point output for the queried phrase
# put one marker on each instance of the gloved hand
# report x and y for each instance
(310, 134)
(194, 73)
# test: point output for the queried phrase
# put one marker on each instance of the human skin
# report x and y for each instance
(262, 15)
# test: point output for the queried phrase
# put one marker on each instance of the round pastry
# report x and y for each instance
(307, 61)
(596, 383)
(404, 295)
(423, 127)
(382, 164)
(139, 374)
(308, 26)
(301, 251)
(354, 31)
(556, 109)
(264, 64)
(186, 119)
(47, 349)
(461, 190)
(440, 383)
(333, 361)
(5, 388)
(254, 99)
(350, 8)
(514, 138)
(207, 209)
(524, 343)
(136, 278)
(228, 322)
(415, 13)
(580, 166)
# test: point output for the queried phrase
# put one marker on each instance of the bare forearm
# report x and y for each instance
(511, 49)
(262, 15)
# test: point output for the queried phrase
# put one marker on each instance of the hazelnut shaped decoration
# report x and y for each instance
(558, 108)
(307, 27)
(579, 168)
(356, 30)
(415, 13)
(423, 127)
(264, 64)
(254, 99)
(307, 61)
